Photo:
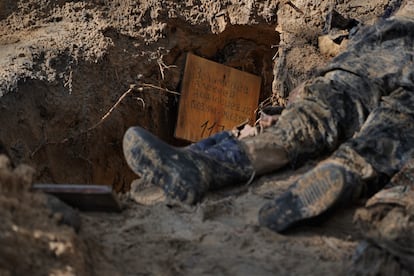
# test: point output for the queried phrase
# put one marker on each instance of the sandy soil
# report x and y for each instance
(64, 64)
(220, 236)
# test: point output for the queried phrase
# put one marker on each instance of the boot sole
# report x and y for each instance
(312, 195)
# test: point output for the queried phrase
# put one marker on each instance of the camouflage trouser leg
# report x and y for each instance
(387, 221)
(387, 224)
(357, 168)
(333, 110)
(225, 148)
(384, 143)
(386, 140)
(336, 104)
(205, 144)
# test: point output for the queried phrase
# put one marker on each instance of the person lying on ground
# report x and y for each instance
(359, 109)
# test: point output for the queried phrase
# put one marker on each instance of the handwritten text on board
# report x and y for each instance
(214, 97)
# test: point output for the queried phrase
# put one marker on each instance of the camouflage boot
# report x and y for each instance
(184, 173)
(337, 181)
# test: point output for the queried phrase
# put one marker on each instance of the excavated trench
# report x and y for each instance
(64, 64)
(57, 127)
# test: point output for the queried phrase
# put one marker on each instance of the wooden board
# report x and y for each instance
(214, 97)
(94, 198)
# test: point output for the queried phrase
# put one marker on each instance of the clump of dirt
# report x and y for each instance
(64, 64)
(31, 239)
(299, 56)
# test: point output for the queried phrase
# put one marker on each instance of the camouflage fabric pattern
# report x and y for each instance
(371, 260)
(387, 225)
(229, 162)
(364, 101)
(405, 177)
(186, 174)
(387, 222)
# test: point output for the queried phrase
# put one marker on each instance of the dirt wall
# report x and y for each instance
(66, 63)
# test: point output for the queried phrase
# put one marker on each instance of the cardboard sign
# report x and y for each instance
(214, 97)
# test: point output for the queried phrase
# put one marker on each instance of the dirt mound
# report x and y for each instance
(31, 239)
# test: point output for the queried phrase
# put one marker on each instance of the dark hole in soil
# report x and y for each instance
(45, 124)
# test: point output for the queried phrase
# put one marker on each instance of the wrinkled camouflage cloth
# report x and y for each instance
(387, 224)
(361, 105)
(371, 260)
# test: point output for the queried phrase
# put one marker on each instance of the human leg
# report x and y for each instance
(382, 59)
(334, 107)
(185, 174)
(330, 184)
(360, 166)
(205, 144)
(299, 130)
